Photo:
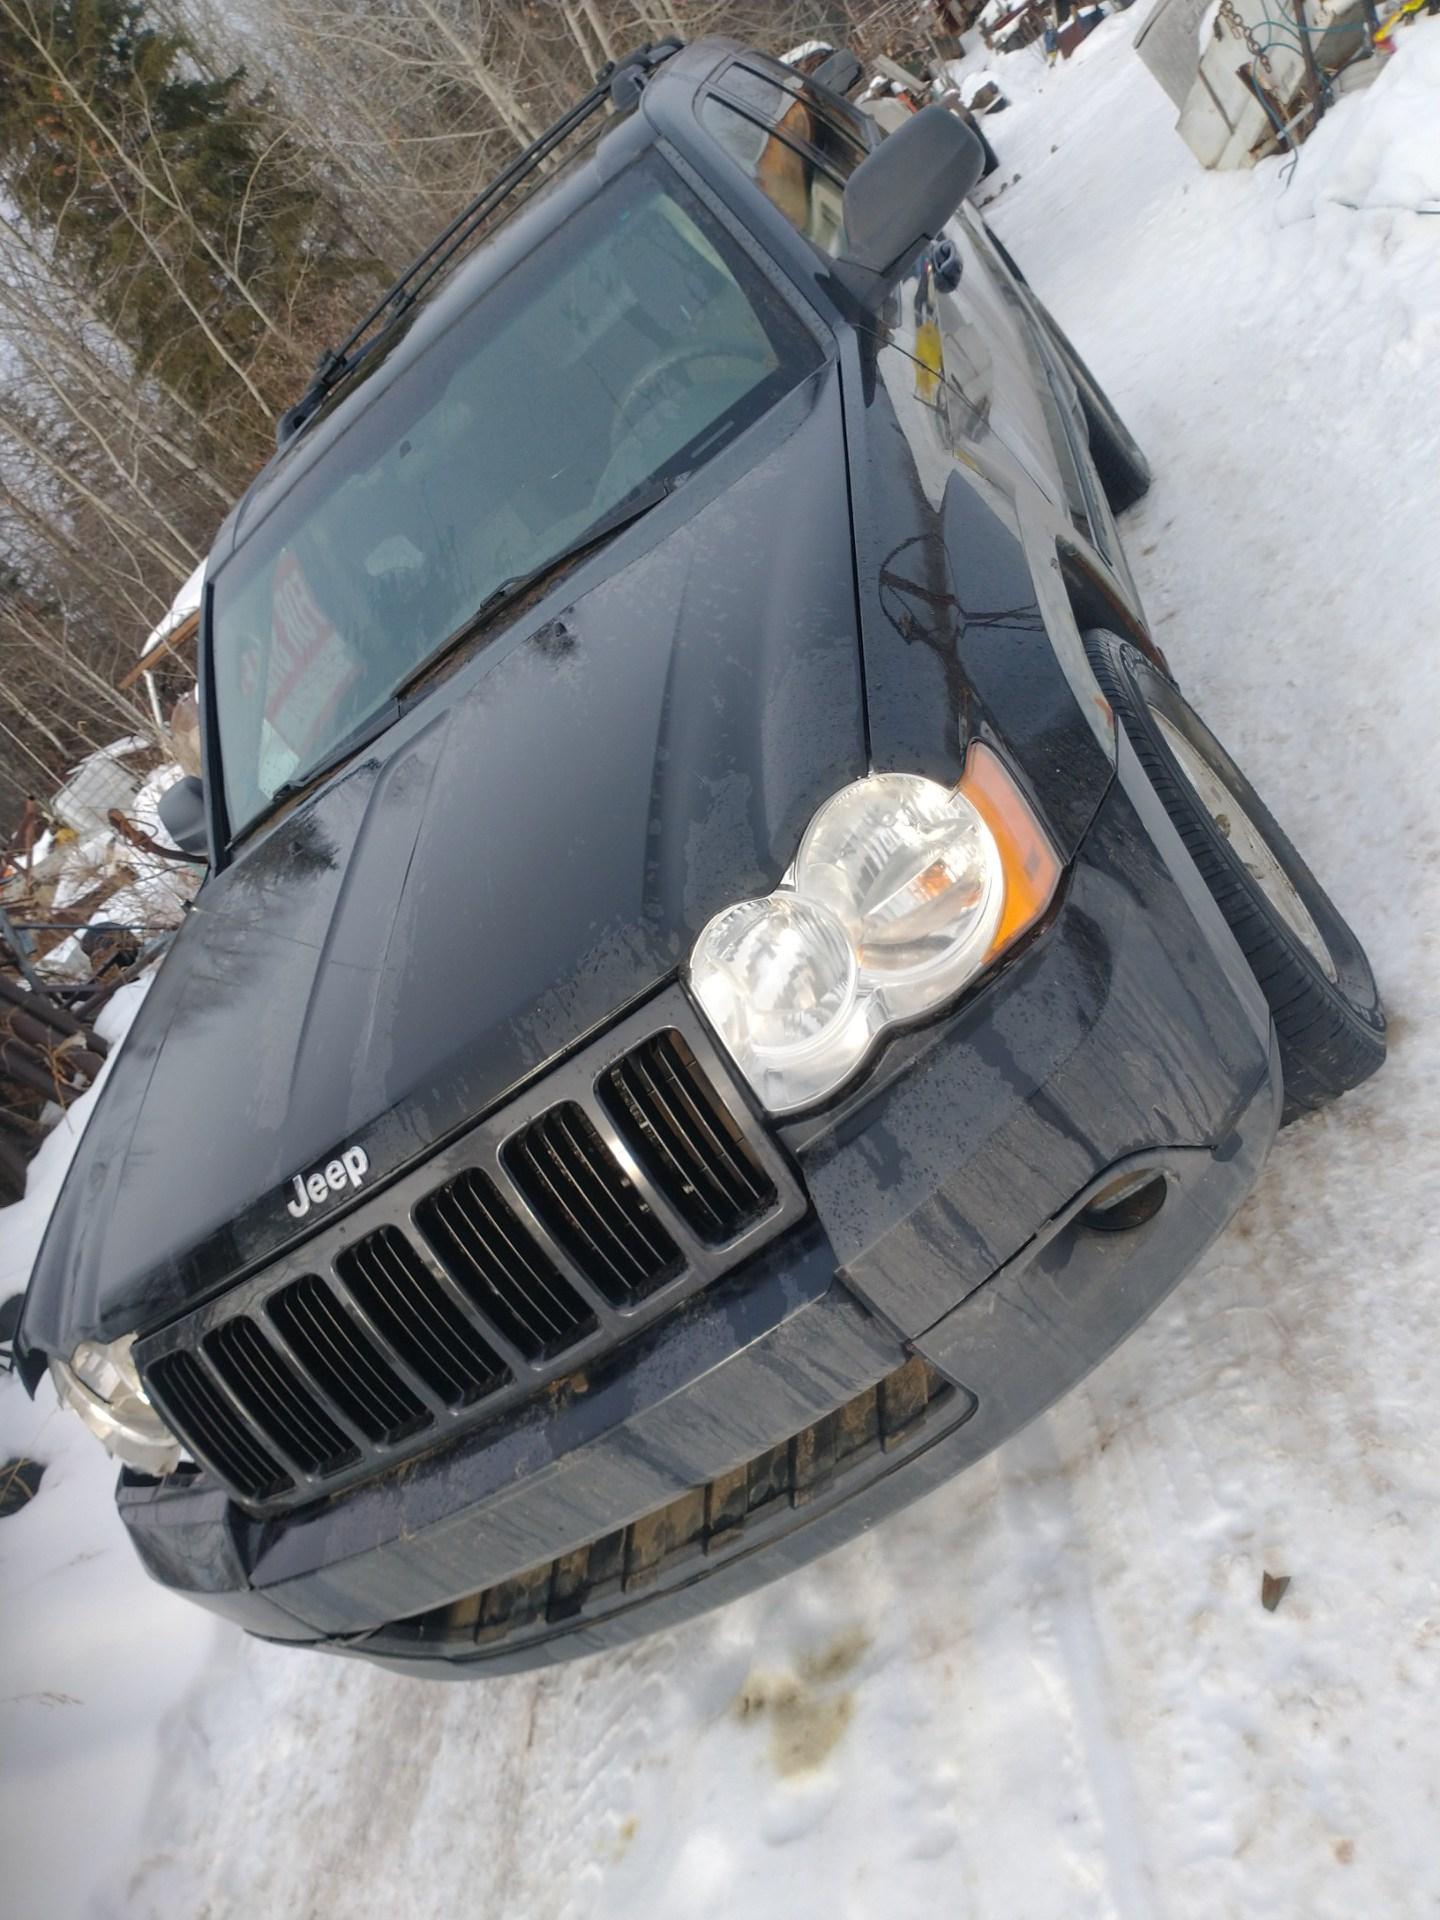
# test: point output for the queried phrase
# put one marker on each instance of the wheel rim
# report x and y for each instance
(1247, 843)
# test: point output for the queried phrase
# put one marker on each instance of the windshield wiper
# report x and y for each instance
(359, 736)
(624, 513)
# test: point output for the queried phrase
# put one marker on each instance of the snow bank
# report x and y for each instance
(92, 1655)
(1382, 152)
(93, 1658)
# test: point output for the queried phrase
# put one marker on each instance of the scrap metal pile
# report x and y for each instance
(1255, 77)
(49, 1055)
(90, 892)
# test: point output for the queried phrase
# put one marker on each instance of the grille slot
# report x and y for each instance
(583, 1197)
(683, 1135)
(414, 1313)
(497, 1264)
(203, 1414)
(276, 1401)
(344, 1362)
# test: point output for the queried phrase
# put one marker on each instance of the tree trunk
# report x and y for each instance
(607, 45)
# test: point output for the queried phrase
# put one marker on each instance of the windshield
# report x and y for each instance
(631, 344)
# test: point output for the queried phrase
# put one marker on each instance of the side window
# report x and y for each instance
(796, 148)
(836, 133)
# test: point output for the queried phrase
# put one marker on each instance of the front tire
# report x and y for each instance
(1312, 970)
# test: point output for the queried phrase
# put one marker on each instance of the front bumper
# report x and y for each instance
(943, 1291)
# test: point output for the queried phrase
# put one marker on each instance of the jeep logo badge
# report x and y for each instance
(348, 1169)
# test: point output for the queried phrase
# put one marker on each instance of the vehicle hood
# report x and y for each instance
(531, 850)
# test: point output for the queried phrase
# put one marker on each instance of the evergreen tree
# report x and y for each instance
(205, 234)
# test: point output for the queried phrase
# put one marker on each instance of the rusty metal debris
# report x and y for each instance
(49, 1055)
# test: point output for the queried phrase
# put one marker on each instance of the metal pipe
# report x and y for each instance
(42, 1007)
(1312, 65)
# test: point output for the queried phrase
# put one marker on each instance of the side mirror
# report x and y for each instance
(182, 810)
(902, 194)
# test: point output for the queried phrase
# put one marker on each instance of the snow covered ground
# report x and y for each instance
(1050, 1691)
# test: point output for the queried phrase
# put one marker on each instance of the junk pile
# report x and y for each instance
(91, 890)
(49, 1056)
(1255, 77)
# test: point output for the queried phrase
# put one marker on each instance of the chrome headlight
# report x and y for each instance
(901, 893)
(100, 1382)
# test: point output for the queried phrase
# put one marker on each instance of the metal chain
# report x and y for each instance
(1244, 31)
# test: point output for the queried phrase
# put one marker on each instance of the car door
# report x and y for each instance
(989, 289)
(957, 319)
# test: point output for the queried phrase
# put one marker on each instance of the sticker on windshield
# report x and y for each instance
(311, 667)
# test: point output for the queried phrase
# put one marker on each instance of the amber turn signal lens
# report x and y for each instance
(1032, 867)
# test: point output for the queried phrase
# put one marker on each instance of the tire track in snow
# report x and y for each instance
(1067, 1645)
(604, 1723)
(1166, 1471)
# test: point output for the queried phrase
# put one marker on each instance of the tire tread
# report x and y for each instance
(1328, 1044)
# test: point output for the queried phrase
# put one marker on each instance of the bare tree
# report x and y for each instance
(115, 465)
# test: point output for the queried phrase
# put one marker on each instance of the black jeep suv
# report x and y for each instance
(729, 976)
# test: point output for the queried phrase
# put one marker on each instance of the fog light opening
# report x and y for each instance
(1129, 1202)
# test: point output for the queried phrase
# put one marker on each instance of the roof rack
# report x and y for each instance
(618, 83)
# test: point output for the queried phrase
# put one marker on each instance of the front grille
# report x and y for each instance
(353, 1371)
(583, 1197)
(274, 1398)
(417, 1319)
(686, 1139)
(501, 1269)
(619, 1185)
(198, 1408)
